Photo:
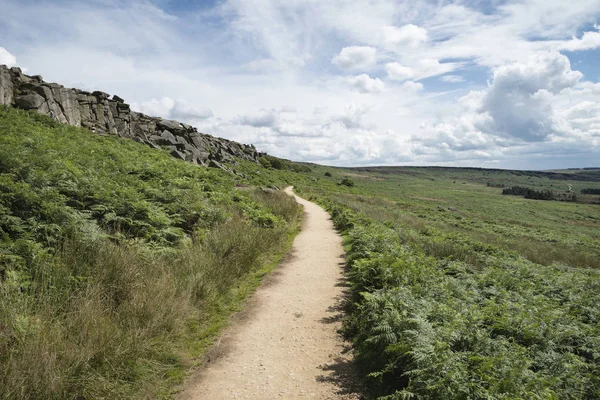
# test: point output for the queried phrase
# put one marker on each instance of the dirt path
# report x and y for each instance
(287, 345)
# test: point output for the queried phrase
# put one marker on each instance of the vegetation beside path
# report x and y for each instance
(443, 305)
(119, 264)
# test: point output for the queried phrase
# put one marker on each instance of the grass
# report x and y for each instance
(119, 264)
(458, 292)
(458, 202)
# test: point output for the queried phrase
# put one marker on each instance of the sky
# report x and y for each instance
(482, 83)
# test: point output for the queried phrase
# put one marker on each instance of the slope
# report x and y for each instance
(118, 262)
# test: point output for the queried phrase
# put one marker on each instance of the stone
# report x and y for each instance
(29, 101)
(178, 154)
(104, 115)
(199, 142)
(123, 108)
(170, 125)
(67, 101)
(6, 87)
(153, 145)
(168, 137)
(100, 95)
(216, 164)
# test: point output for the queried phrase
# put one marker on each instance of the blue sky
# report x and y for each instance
(496, 83)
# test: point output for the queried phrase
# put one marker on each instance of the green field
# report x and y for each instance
(460, 292)
(119, 266)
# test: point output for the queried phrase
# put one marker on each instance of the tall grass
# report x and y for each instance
(100, 320)
(117, 260)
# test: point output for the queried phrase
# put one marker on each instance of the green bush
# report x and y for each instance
(112, 255)
(268, 161)
(430, 327)
(346, 182)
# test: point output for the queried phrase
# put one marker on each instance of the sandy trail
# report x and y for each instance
(287, 345)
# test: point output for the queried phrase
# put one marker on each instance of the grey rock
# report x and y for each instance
(178, 154)
(6, 87)
(216, 164)
(31, 101)
(100, 95)
(170, 125)
(203, 156)
(103, 115)
(153, 145)
(168, 137)
(67, 102)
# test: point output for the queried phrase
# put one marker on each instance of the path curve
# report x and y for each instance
(287, 346)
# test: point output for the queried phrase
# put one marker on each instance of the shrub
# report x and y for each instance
(110, 253)
(590, 191)
(346, 182)
(433, 327)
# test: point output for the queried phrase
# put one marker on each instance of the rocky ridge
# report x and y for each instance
(102, 114)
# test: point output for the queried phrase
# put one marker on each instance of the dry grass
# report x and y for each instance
(102, 320)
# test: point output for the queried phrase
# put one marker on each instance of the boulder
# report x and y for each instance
(153, 145)
(100, 95)
(216, 164)
(167, 137)
(68, 104)
(170, 125)
(6, 87)
(178, 154)
(103, 115)
(30, 101)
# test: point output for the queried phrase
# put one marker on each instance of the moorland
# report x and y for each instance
(120, 265)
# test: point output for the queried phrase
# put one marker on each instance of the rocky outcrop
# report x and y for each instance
(102, 114)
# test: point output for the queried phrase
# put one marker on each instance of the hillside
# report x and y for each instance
(119, 262)
(102, 114)
(458, 291)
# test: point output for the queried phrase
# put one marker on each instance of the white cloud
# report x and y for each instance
(265, 65)
(407, 35)
(365, 84)
(452, 78)
(529, 107)
(6, 58)
(431, 67)
(355, 57)
(589, 41)
(413, 86)
(519, 100)
(352, 116)
(170, 108)
(399, 72)
(423, 68)
(264, 118)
